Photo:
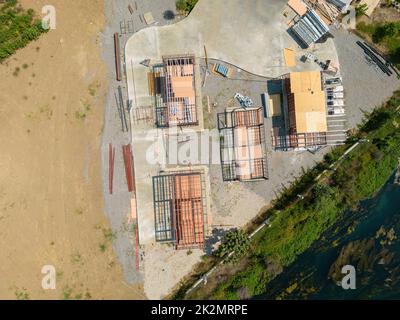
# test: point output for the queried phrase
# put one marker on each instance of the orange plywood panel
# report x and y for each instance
(298, 6)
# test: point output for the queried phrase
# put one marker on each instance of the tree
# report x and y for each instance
(361, 9)
(186, 5)
(235, 241)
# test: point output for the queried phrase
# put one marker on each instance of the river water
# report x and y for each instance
(366, 239)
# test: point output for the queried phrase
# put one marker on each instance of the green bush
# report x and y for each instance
(235, 241)
(186, 5)
(18, 27)
(361, 9)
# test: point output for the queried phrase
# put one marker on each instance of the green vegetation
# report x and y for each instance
(18, 27)
(361, 9)
(82, 113)
(296, 222)
(21, 294)
(384, 34)
(186, 5)
(235, 241)
(109, 237)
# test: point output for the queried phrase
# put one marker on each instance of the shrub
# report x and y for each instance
(235, 241)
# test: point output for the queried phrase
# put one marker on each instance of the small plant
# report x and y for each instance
(186, 5)
(93, 88)
(46, 111)
(59, 275)
(103, 247)
(16, 72)
(82, 113)
(109, 237)
(76, 258)
(67, 293)
(21, 294)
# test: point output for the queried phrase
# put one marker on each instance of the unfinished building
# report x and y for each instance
(180, 209)
(306, 111)
(242, 144)
(174, 92)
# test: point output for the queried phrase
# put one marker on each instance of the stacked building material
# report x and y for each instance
(117, 56)
(222, 70)
(130, 178)
(310, 28)
(377, 58)
(111, 161)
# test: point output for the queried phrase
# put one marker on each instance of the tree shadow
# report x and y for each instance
(216, 237)
(169, 15)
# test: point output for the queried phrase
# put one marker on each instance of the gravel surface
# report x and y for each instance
(117, 206)
(365, 87)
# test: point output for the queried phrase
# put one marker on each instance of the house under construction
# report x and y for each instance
(305, 111)
(180, 209)
(242, 143)
(174, 91)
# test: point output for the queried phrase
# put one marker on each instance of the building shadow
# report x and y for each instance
(297, 39)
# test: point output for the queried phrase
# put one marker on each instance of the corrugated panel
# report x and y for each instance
(310, 28)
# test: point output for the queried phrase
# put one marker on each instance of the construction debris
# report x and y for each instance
(145, 62)
(128, 161)
(290, 57)
(111, 161)
(245, 102)
(148, 18)
(121, 109)
(376, 58)
(310, 28)
(222, 70)
(298, 6)
(328, 11)
(117, 56)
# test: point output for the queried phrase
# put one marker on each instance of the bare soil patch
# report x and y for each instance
(51, 206)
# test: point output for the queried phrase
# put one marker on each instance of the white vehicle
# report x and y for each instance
(338, 110)
(336, 103)
(336, 95)
(332, 81)
(338, 89)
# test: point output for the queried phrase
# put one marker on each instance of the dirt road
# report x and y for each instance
(51, 205)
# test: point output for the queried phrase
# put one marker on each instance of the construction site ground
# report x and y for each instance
(249, 52)
(118, 205)
(365, 86)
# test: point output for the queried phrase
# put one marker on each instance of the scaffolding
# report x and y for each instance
(174, 92)
(242, 145)
(299, 141)
(179, 208)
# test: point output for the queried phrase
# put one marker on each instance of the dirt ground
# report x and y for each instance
(382, 14)
(51, 205)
